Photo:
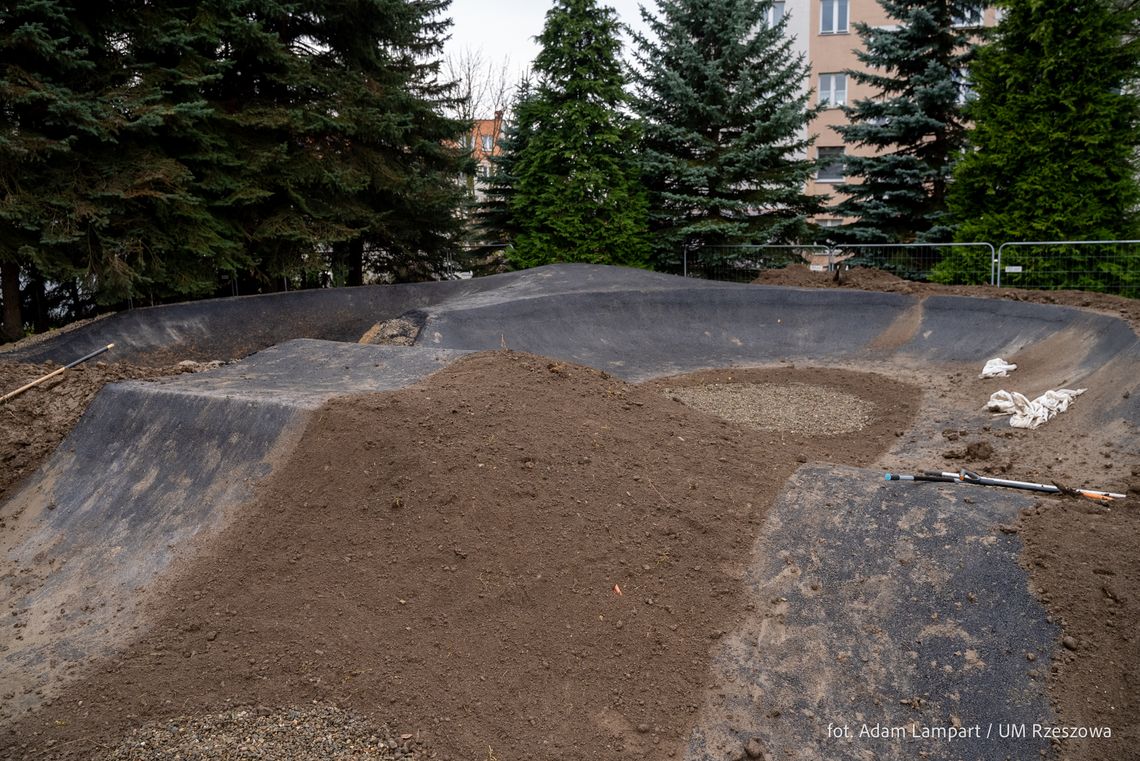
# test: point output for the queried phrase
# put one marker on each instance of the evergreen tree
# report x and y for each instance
(49, 109)
(724, 116)
(148, 145)
(1056, 132)
(397, 140)
(151, 224)
(914, 122)
(578, 196)
(335, 113)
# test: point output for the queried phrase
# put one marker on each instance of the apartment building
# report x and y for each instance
(824, 32)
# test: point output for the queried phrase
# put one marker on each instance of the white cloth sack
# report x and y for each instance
(997, 368)
(1030, 414)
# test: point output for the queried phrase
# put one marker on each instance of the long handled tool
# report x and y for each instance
(53, 373)
(969, 477)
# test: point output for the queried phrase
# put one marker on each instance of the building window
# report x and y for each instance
(832, 89)
(775, 13)
(833, 17)
(829, 222)
(830, 165)
(488, 143)
(971, 17)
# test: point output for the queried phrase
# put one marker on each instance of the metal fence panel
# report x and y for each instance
(743, 264)
(1110, 266)
(1107, 266)
(949, 263)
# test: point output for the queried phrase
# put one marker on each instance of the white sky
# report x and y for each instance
(506, 28)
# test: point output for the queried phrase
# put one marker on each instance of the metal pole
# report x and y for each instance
(966, 476)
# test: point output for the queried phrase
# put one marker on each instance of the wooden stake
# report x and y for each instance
(53, 373)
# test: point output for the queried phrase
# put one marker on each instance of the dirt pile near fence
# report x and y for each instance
(870, 279)
(517, 558)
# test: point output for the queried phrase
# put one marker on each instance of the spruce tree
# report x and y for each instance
(149, 146)
(50, 110)
(1055, 134)
(334, 110)
(917, 69)
(577, 196)
(152, 218)
(724, 115)
(397, 148)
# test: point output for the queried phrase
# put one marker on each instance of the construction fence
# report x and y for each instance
(1107, 266)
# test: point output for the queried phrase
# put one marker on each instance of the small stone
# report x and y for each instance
(1031, 657)
(755, 748)
(211, 636)
(1070, 643)
(643, 728)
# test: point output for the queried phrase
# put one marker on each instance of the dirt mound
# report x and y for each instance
(865, 278)
(870, 279)
(517, 558)
(36, 421)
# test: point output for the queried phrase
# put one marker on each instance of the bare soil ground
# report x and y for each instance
(387, 568)
(449, 557)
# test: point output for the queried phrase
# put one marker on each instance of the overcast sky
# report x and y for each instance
(502, 28)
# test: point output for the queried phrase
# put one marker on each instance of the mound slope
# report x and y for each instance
(447, 557)
(37, 420)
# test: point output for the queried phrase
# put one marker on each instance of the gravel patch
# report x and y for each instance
(312, 733)
(792, 407)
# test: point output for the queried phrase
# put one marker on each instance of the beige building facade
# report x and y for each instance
(824, 32)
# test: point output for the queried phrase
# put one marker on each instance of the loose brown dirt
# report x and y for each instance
(516, 558)
(1084, 566)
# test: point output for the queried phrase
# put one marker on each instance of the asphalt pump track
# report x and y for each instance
(151, 465)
